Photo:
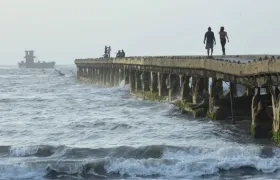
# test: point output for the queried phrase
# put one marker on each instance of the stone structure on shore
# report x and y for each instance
(166, 78)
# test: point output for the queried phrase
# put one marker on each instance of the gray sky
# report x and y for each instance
(62, 30)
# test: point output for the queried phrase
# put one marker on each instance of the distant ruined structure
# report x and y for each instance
(30, 62)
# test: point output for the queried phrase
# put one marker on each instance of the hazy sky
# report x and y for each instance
(62, 30)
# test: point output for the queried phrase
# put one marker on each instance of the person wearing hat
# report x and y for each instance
(210, 40)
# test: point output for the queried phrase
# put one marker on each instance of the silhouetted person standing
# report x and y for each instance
(210, 40)
(223, 37)
(119, 54)
(123, 53)
(106, 51)
(109, 51)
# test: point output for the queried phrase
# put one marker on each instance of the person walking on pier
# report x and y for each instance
(210, 40)
(223, 37)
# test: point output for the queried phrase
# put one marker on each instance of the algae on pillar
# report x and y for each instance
(275, 97)
(216, 110)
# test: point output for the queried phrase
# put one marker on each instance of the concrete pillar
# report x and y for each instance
(154, 82)
(172, 83)
(131, 77)
(82, 72)
(111, 78)
(100, 76)
(185, 87)
(145, 81)
(107, 75)
(91, 74)
(197, 88)
(95, 78)
(104, 77)
(121, 75)
(86, 74)
(126, 75)
(276, 113)
(162, 88)
(206, 84)
(78, 71)
(232, 89)
(116, 77)
(138, 83)
(215, 93)
(254, 108)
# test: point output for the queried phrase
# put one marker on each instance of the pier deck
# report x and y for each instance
(167, 77)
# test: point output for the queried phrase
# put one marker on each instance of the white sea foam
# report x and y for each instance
(195, 163)
(23, 151)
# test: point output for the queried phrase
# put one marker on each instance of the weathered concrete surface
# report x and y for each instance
(262, 72)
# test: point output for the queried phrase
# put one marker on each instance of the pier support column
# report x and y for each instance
(116, 77)
(197, 88)
(216, 110)
(125, 75)
(104, 77)
(233, 93)
(264, 117)
(249, 91)
(87, 74)
(111, 74)
(172, 83)
(138, 83)
(185, 88)
(91, 74)
(84, 73)
(131, 77)
(162, 88)
(107, 72)
(121, 75)
(154, 82)
(100, 77)
(81, 72)
(275, 97)
(145, 81)
(78, 72)
(95, 75)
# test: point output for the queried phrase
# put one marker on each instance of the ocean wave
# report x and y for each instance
(146, 161)
(40, 151)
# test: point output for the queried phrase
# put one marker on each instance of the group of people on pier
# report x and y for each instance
(107, 53)
(210, 40)
(120, 53)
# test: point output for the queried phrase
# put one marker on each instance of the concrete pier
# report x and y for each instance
(195, 85)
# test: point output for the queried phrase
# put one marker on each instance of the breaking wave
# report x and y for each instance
(146, 161)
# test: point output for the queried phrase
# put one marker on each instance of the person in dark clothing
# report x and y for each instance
(119, 54)
(223, 38)
(210, 40)
(123, 53)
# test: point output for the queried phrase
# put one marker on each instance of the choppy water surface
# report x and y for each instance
(55, 127)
